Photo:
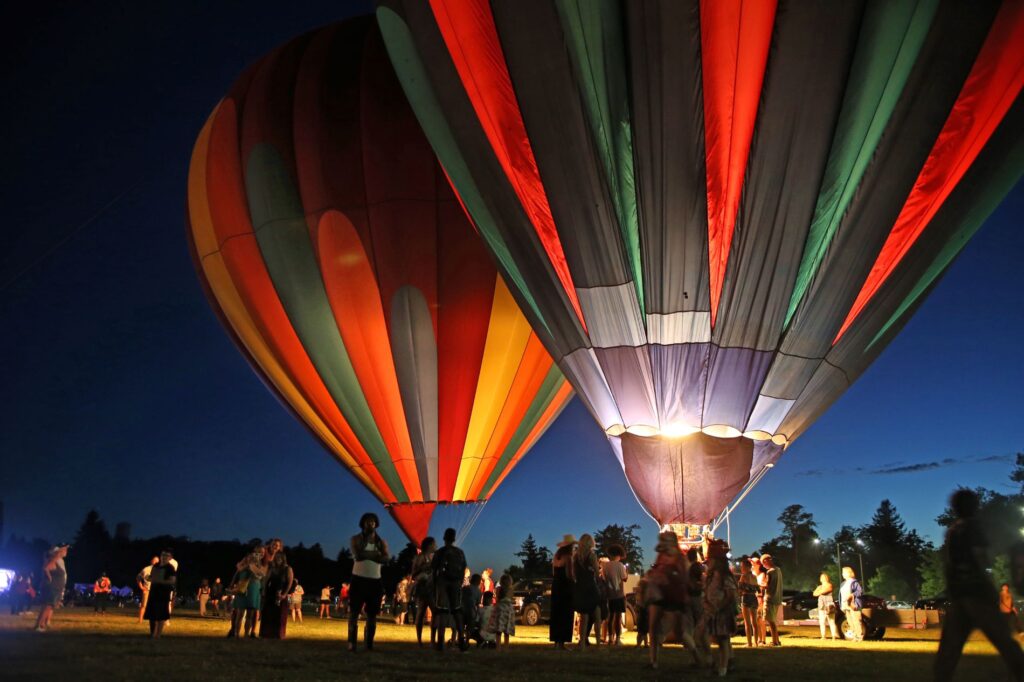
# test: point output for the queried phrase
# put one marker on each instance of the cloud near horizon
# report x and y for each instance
(901, 467)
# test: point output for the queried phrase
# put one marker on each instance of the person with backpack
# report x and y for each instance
(449, 567)
(369, 551)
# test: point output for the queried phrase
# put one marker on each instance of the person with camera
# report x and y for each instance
(370, 552)
(826, 605)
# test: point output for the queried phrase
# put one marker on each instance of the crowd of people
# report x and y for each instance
(692, 594)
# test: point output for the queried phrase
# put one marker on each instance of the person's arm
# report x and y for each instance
(383, 549)
(287, 585)
(357, 547)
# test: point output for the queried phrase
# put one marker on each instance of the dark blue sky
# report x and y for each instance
(120, 390)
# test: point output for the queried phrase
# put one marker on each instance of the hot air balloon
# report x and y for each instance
(337, 256)
(716, 213)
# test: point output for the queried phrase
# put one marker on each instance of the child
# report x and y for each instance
(641, 616)
(481, 630)
(503, 617)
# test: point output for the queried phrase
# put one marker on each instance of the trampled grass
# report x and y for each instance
(85, 646)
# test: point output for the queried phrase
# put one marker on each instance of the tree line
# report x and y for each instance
(895, 560)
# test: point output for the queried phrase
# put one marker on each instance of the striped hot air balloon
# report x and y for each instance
(717, 213)
(335, 253)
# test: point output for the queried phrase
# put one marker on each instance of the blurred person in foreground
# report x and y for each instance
(973, 601)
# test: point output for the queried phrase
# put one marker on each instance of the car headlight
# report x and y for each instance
(519, 602)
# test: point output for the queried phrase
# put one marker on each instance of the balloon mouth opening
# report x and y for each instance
(678, 430)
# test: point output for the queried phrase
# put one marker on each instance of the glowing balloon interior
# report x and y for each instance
(716, 214)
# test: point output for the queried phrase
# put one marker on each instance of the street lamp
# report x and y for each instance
(860, 556)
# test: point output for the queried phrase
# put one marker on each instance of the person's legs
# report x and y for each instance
(832, 625)
(822, 617)
(856, 624)
(749, 625)
(654, 632)
(724, 646)
(250, 622)
(43, 621)
(358, 600)
(955, 629)
(152, 629)
(773, 623)
(421, 614)
(584, 630)
(145, 600)
(687, 635)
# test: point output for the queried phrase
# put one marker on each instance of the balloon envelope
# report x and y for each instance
(338, 258)
(716, 213)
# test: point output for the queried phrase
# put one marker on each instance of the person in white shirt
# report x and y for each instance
(369, 551)
(615, 575)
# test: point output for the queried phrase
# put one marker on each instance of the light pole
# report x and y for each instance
(839, 560)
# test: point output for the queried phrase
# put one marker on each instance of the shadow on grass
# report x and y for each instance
(89, 647)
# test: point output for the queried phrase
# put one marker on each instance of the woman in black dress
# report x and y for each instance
(274, 616)
(162, 580)
(583, 570)
(560, 625)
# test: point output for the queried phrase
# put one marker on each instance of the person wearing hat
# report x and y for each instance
(56, 575)
(562, 614)
(101, 593)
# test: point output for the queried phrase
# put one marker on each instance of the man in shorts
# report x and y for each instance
(773, 597)
(615, 575)
(449, 567)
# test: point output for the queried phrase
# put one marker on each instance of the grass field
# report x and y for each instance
(84, 646)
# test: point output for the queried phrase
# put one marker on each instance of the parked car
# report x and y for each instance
(532, 599)
(939, 603)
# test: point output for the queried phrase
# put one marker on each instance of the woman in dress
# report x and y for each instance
(748, 601)
(560, 624)
(203, 595)
(423, 588)
(720, 609)
(585, 598)
(761, 576)
(56, 576)
(826, 605)
(277, 585)
(503, 617)
(162, 580)
(246, 586)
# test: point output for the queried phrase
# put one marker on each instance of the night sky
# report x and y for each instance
(120, 390)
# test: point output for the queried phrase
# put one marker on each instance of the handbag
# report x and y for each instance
(240, 587)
